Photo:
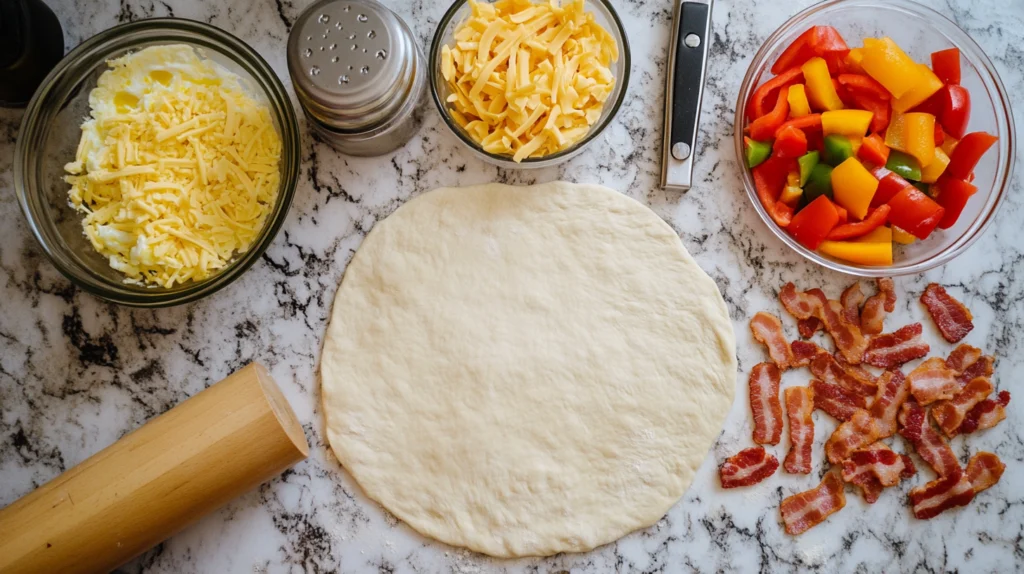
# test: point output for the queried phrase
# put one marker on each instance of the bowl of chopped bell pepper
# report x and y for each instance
(876, 137)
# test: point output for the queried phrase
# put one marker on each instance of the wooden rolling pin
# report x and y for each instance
(155, 481)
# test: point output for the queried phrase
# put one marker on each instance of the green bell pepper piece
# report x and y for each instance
(756, 151)
(818, 183)
(904, 164)
(926, 188)
(837, 149)
(807, 163)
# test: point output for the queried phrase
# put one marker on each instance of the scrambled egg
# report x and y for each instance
(177, 167)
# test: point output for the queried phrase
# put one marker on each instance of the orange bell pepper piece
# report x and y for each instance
(890, 65)
(931, 173)
(873, 150)
(919, 131)
(820, 90)
(798, 104)
(853, 186)
(921, 91)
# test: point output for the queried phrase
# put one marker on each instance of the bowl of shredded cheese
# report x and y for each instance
(528, 83)
(157, 161)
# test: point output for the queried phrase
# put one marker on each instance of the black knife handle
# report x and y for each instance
(688, 77)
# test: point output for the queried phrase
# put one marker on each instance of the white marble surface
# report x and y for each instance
(77, 373)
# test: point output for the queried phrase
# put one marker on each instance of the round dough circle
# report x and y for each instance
(526, 370)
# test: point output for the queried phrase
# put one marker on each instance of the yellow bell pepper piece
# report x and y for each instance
(850, 123)
(919, 131)
(853, 186)
(896, 133)
(930, 83)
(891, 66)
(798, 105)
(861, 252)
(820, 90)
(902, 237)
(881, 234)
(931, 173)
(791, 194)
(854, 58)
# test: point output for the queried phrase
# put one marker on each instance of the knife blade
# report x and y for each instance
(684, 89)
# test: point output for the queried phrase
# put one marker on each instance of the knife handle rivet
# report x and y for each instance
(680, 150)
(692, 40)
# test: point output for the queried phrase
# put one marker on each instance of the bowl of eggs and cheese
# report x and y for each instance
(157, 162)
(529, 84)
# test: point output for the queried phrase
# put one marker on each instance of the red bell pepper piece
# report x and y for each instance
(845, 95)
(790, 142)
(946, 65)
(844, 215)
(915, 212)
(889, 184)
(763, 128)
(956, 110)
(873, 150)
(769, 179)
(864, 84)
(756, 105)
(824, 41)
(812, 224)
(940, 136)
(875, 219)
(881, 110)
(933, 105)
(797, 53)
(967, 153)
(953, 196)
(808, 123)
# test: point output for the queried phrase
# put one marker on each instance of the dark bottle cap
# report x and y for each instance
(31, 44)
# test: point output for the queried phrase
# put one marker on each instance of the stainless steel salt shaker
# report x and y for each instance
(358, 74)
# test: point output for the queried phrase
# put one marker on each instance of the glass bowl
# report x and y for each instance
(920, 31)
(50, 131)
(604, 14)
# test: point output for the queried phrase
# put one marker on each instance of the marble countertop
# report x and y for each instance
(77, 373)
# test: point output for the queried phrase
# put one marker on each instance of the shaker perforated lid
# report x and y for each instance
(351, 62)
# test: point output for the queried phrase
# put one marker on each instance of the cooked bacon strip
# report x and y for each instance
(799, 405)
(747, 467)
(835, 371)
(764, 402)
(986, 414)
(932, 380)
(984, 470)
(803, 352)
(767, 329)
(808, 327)
(807, 509)
(872, 316)
(868, 426)
(851, 299)
(951, 316)
(875, 468)
(847, 336)
(941, 494)
(929, 444)
(949, 415)
(836, 401)
(963, 356)
(983, 367)
(894, 349)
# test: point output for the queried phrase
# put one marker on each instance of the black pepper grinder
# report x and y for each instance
(31, 44)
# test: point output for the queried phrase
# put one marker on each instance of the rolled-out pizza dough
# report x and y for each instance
(526, 370)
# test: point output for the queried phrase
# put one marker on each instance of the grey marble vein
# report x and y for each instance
(77, 373)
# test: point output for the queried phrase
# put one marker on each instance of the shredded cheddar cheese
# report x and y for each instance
(528, 79)
(177, 167)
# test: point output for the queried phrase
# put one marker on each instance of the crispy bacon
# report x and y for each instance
(950, 414)
(867, 426)
(951, 316)
(799, 404)
(962, 357)
(984, 470)
(986, 414)
(872, 316)
(747, 467)
(807, 509)
(875, 468)
(808, 327)
(835, 371)
(932, 380)
(767, 329)
(847, 336)
(929, 444)
(764, 402)
(941, 494)
(836, 401)
(983, 367)
(851, 299)
(803, 352)
(893, 349)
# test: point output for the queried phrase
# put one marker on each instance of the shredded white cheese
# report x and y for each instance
(177, 167)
